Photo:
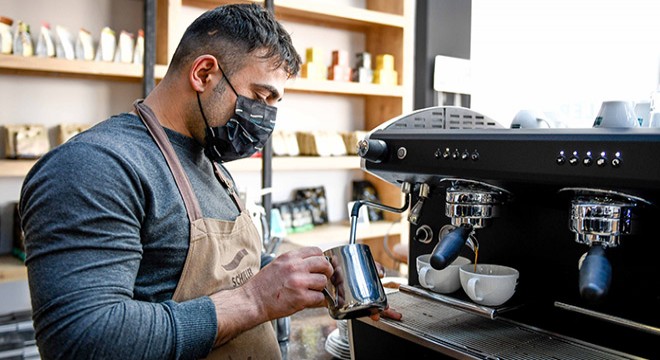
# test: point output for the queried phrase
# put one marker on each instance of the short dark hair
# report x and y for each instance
(232, 31)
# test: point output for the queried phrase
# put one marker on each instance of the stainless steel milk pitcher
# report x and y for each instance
(354, 289)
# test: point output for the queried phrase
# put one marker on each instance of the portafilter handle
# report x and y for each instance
(595, 275)
(449, 246)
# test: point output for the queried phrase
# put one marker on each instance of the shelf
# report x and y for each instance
(15, 168)
(340, 87)
(20, 64)
(331, 235)
(325, 12)
(20, 168)
(95, 69)
(12, 269)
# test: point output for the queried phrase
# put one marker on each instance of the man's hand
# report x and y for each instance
(290, 283)
(387, 312)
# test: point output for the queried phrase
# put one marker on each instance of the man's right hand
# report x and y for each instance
(292, 282)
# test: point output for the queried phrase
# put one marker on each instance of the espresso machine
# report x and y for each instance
(574, 210)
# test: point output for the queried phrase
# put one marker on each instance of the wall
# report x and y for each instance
(562, 56)
(442, 27)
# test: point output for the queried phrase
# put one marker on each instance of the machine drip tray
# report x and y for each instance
(461, 304)
(467, 331)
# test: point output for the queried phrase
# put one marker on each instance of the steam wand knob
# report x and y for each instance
(373, 150)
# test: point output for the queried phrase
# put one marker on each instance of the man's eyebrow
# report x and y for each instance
(274, 93)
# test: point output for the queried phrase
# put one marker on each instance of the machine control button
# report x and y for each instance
(574, 160)
(446, 154)
(456, 154)
(465, 155)
(616, 162)
(401, 153)
(588, 160)
(561, 160)
(474, 156)
(437, 153)
(602, 160)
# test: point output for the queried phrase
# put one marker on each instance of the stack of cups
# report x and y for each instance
(314, 68)
(616, 114)
(385, 73)
(339, 70)
(362, 72)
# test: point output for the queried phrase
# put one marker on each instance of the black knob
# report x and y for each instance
(447, 249)
(595, 275)
(372, 150)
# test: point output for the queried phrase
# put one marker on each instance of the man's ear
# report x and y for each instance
(203, 69)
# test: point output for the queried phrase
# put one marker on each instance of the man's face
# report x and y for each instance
(257, 80)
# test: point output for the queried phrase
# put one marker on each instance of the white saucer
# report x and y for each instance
(337, 346)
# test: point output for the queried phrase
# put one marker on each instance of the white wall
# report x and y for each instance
(562, 56)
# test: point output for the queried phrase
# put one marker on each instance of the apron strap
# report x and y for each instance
(182, 182)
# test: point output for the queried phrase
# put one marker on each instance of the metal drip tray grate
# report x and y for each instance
(484, 338)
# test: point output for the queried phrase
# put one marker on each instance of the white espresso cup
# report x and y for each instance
(490, 285)
(443, 281)
(616, 114)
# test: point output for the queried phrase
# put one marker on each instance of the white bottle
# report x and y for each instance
(45, 45)
(84, 46)
(64, 43)
(6, 42)
(23, 40)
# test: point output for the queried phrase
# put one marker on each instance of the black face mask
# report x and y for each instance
(246, 132)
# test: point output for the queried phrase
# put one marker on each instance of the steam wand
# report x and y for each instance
(405, 188)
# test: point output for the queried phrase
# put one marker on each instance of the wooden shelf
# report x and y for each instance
(331, 235)
(346, 88)
(118, 71)
(93, 69)
(20, 168)
(325, 12)
(15, 168)
(12, 269)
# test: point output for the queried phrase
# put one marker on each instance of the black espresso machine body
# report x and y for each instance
(545, 173)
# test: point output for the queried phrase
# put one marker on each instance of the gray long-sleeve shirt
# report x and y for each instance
(106, 238)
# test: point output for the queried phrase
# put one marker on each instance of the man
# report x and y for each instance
(137, 245)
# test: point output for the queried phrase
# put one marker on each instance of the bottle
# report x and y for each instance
(6, 43)
(23, 40)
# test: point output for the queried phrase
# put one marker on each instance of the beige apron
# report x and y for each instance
(222, 254)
